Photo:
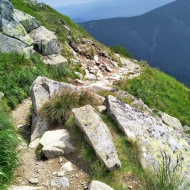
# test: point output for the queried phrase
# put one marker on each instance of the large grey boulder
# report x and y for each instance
(10, 26)
(27, 21)
(97, 135)
(56, 143)
(152, 137)
(97, 185)
(45, 41)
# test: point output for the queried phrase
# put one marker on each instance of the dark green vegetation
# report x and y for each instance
(122, 51)
(161, 37)
(160, 92)
(8, 144)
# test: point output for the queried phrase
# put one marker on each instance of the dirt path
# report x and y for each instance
(39, 173)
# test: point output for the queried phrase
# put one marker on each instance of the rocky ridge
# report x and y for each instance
(63, 168)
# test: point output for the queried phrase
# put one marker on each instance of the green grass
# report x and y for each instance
(8, 153)
(17, 74)
(160, 92)
(59, 108)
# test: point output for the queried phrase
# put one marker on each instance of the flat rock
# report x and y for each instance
(56, 143)
(54, 59)
(60, 182)
(97, 185)
(24, 188)
(152, 137)
(97, 135)
(45, 41)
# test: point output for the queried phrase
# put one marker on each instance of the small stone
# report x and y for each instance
(130, 187)
(60, 160)
(34, 180)
(68, 167)
(61, 174)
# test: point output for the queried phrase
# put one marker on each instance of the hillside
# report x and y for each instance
(67, 120)
(161, 37)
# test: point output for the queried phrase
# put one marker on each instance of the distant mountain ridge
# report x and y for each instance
(102, 9)
(161, 36)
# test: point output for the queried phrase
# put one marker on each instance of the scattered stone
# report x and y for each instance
(67, 167)
(34, 180)
(56, 143)
(101, 109)
(97, 185)
(60, 182)
(61, 174)
(97, 135)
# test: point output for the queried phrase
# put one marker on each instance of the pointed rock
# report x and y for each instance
(97, 135)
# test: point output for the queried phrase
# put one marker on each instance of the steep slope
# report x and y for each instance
(161, 37)
(62, 125)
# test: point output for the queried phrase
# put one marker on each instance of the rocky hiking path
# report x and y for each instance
(45, 174)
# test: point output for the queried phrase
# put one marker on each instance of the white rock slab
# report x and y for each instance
(97, 135)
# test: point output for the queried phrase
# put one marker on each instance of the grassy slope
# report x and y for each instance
(160, 92)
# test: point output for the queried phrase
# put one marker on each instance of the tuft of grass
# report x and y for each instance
(166, 176)
(8, 149)
(59, 108)
(160, 92)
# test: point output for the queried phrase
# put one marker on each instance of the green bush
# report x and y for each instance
(122, 51)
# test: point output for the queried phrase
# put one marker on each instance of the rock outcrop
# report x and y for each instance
(97, 135)
(45, 41)
(153, 138)
(56, 143)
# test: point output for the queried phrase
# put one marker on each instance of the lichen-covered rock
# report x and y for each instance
(45, 41)
(152, 137)
(97, 185)
(56, 143)
(98, 135)
(27, 21)
(8, 44)
(10, 26)
(60, 182)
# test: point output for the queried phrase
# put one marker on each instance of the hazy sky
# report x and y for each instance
(57, 3)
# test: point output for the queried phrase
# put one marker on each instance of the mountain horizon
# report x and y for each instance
(109, 9)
